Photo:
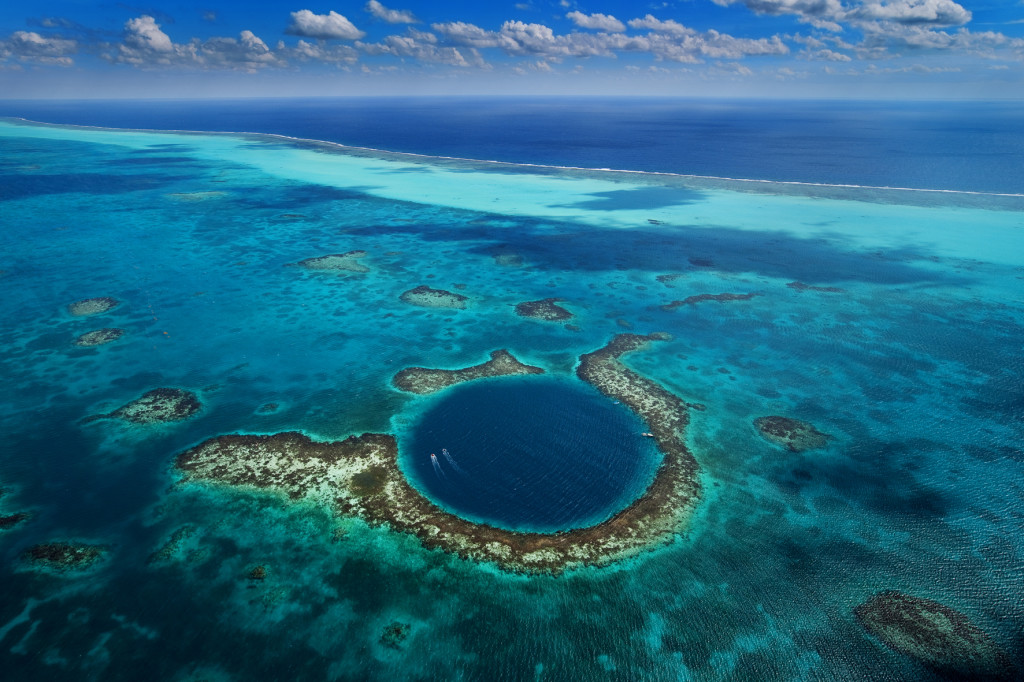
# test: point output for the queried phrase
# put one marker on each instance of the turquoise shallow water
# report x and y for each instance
(913, 367)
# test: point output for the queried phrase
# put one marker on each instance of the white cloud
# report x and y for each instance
(323, 26)
(826, 55)
(597, 22)
(29, 46)
(318, 52)
(146, 45)
(422, 46)
(144, 34)
(391, 16)
(930, 12)
(658, 26)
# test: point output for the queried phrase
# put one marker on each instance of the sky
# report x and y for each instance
(877, 49)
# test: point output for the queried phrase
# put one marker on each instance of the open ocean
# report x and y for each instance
(855, 266)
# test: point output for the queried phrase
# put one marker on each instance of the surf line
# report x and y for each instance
(389, 154)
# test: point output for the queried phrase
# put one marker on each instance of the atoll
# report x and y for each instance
(360, 476)
(346, 262)
(434, 298)
(93, 306)
(64, 556)
(934, 634)
(700, 298)
(545, 309)
(791, 433)
(424, 380)
(99, 337)
(158, 405)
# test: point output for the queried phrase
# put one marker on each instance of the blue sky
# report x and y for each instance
(775, 48)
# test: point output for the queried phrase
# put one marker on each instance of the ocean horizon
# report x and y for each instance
(219, 315)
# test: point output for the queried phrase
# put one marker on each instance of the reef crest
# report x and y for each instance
(423, 380)
(426, 297)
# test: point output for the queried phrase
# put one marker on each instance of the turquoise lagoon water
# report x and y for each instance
(913, 366)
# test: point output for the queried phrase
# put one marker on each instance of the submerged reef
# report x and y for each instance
(11, 520)
(434, 298)
(700, 298)
(99, 337)
(394, 634)
(347, 262)
(170, 549)
(64, 556)
(360, 476)
(423, 380)
(93, 306)
(546, 309)
(934, 634)
(794, 434)
(800, 286)
(158, 405)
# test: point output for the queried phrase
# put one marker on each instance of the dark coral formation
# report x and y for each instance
(360, 476)
(424, 380)
(794, 434)
(434, 298)
(156, 406)
(345, 262)
(99, 337)
(172, 547)
(93, 306)
(394, 634)
(546, 309)
(800, 286)
(700, 298)
(935, 635)
(12, 520)
(258, 573)
(64, 556)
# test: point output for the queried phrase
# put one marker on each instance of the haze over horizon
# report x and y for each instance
(908, 49)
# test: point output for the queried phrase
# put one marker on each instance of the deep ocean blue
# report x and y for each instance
(925, 145)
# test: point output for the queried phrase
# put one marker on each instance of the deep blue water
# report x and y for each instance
(928, 145)
(532, 453)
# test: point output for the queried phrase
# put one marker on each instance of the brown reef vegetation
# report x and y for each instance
(158, 405)
(360, 476)
(93, 306)
(434, 298)
(12, 520)
(546, 309)
(935, 635)
(64, 556)
(99, 337)
(172, 548)
(345, 262)
(700, 298)
(424, 380)
(794, 434)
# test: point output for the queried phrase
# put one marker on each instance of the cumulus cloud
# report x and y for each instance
(668, 26)
(318, 52)
(323, 26)
(923, 12)
(422, 46)
(598, 22)
(391, 16)
(146, 45)
(29, 46)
